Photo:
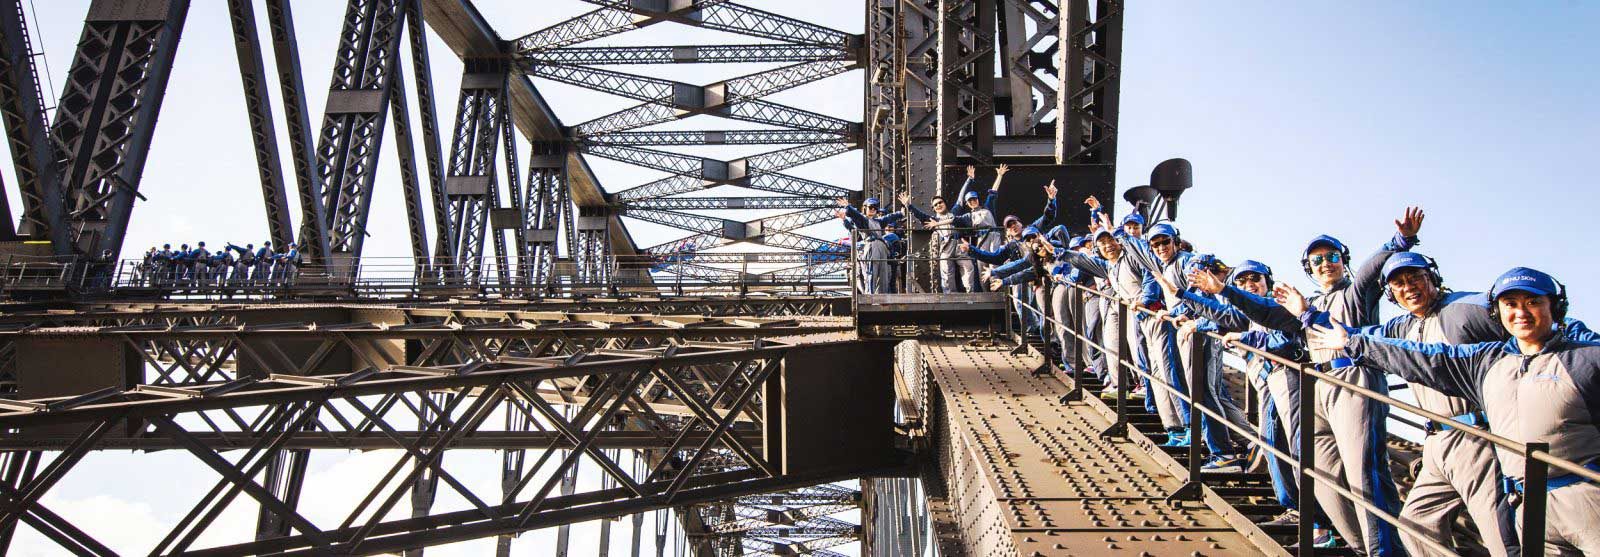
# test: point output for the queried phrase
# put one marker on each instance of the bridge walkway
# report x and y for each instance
(1026, 475)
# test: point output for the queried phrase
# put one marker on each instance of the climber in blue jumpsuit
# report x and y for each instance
(872, 252)
(1538, 386)
(1351, 430)
(1279, 399)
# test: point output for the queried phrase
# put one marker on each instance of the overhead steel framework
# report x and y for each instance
(713, 408)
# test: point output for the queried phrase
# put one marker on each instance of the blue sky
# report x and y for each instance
(1300, 119)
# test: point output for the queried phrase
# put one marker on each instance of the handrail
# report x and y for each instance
(1533, 516)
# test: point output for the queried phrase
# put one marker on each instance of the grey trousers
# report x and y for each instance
(957, 274)
(1571, 516)
(1061, 308)
(1349, 438)
(1157, 334)
(1459, 473)
(874, 269)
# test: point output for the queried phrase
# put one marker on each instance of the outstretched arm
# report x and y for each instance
(1452, 369)
(1094, 266)
(1049, 214)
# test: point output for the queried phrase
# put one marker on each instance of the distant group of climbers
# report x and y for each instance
(1508, 360)
(230, 267)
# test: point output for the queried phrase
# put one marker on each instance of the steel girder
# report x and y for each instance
(297, 118)
(617, 16)
(784, 523)
(263, 133)
(1091, 82)
(22, 113)
(886, 134)
(364, 72)
(718, 383)
(107, 115)
(966, 86)
(709, 203)
(689, 54)
(717, 137)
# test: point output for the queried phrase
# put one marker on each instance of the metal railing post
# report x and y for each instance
(1307, 488)
(1535, 496)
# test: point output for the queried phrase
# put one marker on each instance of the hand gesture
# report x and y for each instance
(995, 284)
(1290, 298)
(1327, 338)
(840, 212)
(972, 171)
(1004, 168)
(1411, 223)
(1050, 189)
(904, 197)
(1206, 282)
(1166, 285)
(841, 201)
(965, 245)
(1092, 202)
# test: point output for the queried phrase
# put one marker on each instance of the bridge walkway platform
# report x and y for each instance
(1024, 474)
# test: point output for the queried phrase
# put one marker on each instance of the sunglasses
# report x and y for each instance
(1249, 278)
(1333, 257)
(1161, 242)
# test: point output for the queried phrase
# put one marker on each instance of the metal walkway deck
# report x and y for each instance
(1029, 476)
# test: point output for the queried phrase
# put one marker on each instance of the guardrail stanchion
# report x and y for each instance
(1535, 497)
(1074, 326)
(1307, 502)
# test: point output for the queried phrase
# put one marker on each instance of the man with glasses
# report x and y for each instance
(1129, 283)
(1539, 386)
(1351, 430)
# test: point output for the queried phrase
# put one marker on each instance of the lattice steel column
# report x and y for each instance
(352, 127)
(546, 203)
(263, 133)
(593, 256)
(470, 184)
(966, 87)
(1091, 82)
(1029, 45)
(107, 114)
(302, 148)
(22, 113)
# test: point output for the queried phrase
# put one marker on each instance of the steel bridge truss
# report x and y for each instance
(805, 52)
(681, 395)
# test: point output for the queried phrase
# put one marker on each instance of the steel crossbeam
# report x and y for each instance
(712, 386)
(689, 54)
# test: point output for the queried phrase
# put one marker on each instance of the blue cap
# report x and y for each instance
(1202, 261)
(891, 238)
(1102, 232)
(1058, 233)
(1133, 217)
(1323, 240)
(1526, 280)
(1405, 260)
(1162, 229)
(1030, 231)
(971, 195)
(1251, 266)
(871, 201)
(1078, 242)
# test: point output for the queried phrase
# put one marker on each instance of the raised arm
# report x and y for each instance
(1049, 214)
(960, 206)
(1011, 267)
(996, 257)
(1452, 369)
(1368, 279)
